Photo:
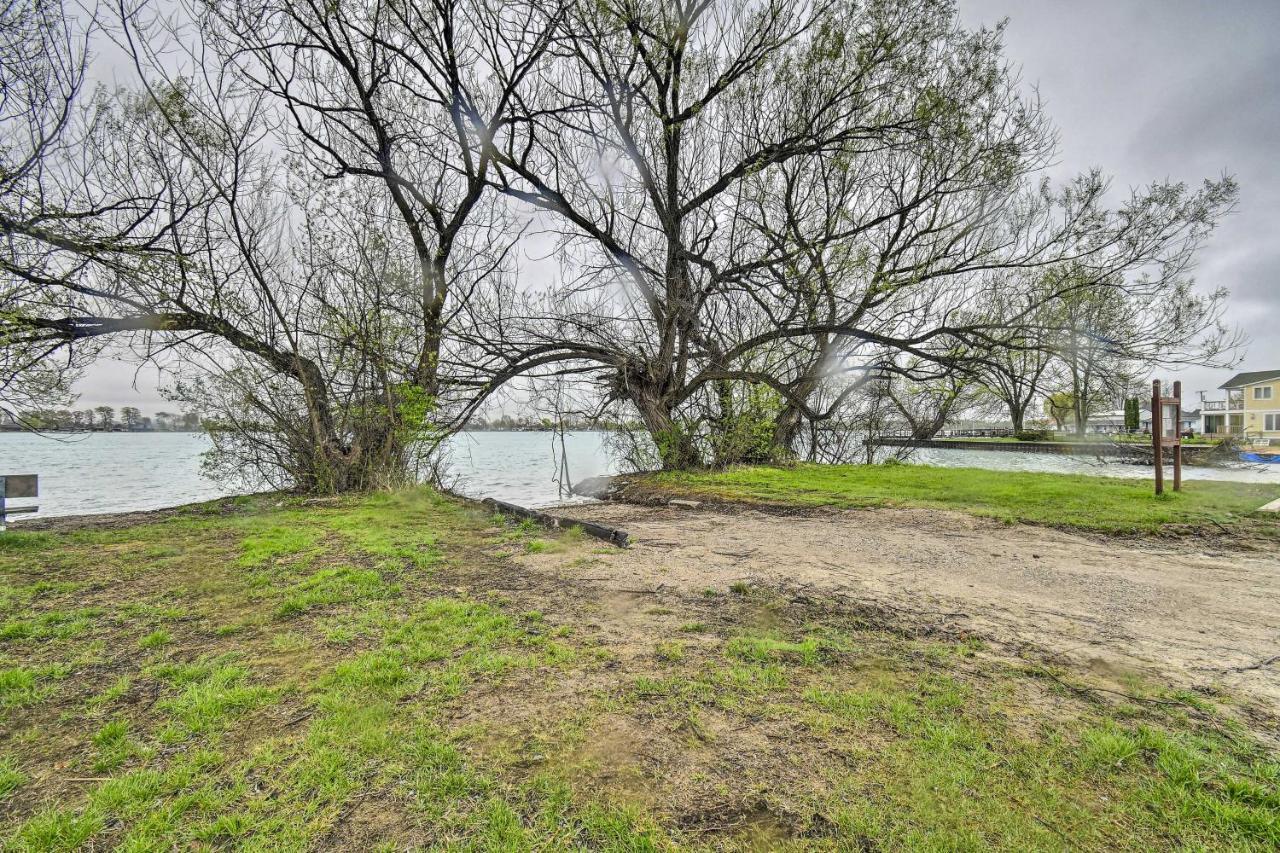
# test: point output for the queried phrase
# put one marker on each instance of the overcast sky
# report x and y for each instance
(1145, 89)
(1180, 89)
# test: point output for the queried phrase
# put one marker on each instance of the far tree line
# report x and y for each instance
(739, 230)
(107, 419)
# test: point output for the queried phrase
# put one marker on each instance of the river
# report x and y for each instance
(115, 472)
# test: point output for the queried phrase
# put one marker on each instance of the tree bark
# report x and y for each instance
(676, 449)
(1017, 414)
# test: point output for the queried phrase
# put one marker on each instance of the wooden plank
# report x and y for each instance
(1157, 445)
(599, 531)
(1177, 436)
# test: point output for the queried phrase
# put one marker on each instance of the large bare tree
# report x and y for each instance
(313, 210)
(705, 159)
(288, 206)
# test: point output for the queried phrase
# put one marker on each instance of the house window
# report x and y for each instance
(1262, 392)
(1271, 423)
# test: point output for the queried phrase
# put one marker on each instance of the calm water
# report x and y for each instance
(113, 472)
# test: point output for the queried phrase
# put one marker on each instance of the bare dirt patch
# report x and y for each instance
(1182, 610)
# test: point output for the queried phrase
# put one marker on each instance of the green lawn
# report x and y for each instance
(405, 671)
(1103, 504)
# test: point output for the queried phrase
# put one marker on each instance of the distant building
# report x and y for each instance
(1113, 421)
(1251, 408)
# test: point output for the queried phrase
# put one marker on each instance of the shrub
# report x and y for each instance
(1032, 435)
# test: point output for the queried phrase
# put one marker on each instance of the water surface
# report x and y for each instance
(117, 472)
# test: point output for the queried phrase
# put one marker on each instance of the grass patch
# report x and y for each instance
(11, 778)
(210, 694)
(27, 685)
(1102, 504)
(156, 639)
(51, 625)
(341, 585)
(268, 542)
(344, 673)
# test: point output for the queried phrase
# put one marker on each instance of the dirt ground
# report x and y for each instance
(1185, 612)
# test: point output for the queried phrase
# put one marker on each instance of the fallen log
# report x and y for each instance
(611, 535)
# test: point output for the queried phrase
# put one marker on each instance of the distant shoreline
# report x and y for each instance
(17, 431)
(4, 430)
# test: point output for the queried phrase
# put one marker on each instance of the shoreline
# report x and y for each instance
(95, 474)
(640, 488)
(1137, 454)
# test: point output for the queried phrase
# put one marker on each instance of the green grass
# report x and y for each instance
(1103, 504)
(11, 777)
(27, 685)
(341, 585)
(156, 639)
(377, 691)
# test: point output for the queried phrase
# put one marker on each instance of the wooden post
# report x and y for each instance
(1177, 436)
(1157, 440)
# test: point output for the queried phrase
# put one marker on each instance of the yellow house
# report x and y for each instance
(1252, 407)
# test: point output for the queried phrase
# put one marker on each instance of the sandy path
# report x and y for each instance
(1186, 613)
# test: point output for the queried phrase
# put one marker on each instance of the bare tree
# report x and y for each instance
(1107, 336)
(927, 407)
(221, 217)
(1017, 373)
(309, 213)
(709, 160)
(407, 101)
(44, 126)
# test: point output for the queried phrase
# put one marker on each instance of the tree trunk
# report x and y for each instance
(1082, 421)
(791, 419)
(786, 431)
(927, 428)
(676, 449)
(1018, 415)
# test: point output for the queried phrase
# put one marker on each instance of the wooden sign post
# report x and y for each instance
(17, 486)
(1166, 431)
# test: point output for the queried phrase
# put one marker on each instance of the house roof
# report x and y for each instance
(1250, 378)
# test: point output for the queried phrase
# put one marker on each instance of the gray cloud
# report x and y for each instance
(1180, 89)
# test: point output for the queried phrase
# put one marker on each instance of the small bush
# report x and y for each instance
(1032, 435)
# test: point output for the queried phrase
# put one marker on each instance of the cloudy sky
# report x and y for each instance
(1146, 89)
(1179, 89)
